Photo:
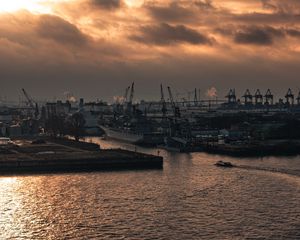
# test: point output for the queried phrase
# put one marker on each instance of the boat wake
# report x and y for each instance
(293, 172)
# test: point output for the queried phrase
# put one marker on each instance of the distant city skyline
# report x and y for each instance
(96, 48)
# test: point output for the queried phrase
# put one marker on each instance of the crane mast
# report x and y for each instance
(131, 93)
(126, 94)
(175, 108)
(129, 103)
(163, 102)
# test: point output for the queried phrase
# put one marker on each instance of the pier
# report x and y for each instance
(70, 156)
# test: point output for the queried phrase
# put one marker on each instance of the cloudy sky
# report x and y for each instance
(95, 48)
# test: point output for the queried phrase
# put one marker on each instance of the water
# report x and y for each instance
(189, 199)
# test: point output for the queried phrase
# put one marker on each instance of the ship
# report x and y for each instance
(125, 135)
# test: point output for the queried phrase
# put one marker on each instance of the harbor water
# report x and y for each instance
(189, 198)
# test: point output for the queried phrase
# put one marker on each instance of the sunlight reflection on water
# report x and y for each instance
(189, 199)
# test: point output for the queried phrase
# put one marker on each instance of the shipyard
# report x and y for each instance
(249, 125)
(150, 119)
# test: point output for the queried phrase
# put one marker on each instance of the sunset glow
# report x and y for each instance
(214, 42)
(30, 5)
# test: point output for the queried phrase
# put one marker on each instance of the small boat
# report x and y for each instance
(224, 164)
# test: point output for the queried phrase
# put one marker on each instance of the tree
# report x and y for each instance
(55, 125)
(75, 125)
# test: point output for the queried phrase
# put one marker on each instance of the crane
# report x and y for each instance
(163, 102)
(269, 97)
(129, 103)
(30, 101)
(298, 98)
(231, 96)
(175, 108)
(131, 93)
(126, 94)
(248, 97)
(195, 97)
(289, 97)
(258, 97)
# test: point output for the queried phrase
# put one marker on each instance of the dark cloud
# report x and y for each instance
(59, 30)
(267, 4)
(166, 34)
(172, 12)
(205, 4)
(265, 18)
(293, 32)
(257, 35)
(107, 4)
(284, 7)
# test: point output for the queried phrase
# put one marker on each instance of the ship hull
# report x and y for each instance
(123, 135)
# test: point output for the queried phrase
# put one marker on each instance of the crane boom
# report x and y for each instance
(175, 108)
(29, 99)
(171, 97)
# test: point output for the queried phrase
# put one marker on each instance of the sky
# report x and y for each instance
(96, 48)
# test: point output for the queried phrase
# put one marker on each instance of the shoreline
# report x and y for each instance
(64, 155)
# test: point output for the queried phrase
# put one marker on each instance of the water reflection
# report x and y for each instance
(189, 199)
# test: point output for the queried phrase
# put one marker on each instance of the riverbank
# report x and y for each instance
(61, 155)
(264, 148)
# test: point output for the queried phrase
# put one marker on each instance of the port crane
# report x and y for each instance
(248, 97)
(289, 97)
(175, 108)
(231, 96)
(129, 103)
(298, 98)
(125, 97)
(163, 101)
(195, 97)
(31, 103)
(29, 99)
(258, 97)
(131, 93)
(269, 97)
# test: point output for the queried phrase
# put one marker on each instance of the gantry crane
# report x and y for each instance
(231, 96)
(289, 97)
(258, 97)
(248, 97)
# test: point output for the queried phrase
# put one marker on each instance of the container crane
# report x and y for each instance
(258, 97)
(269, 97)
(231, 96)
(248, 97)
(289, 97)
(298, 98)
